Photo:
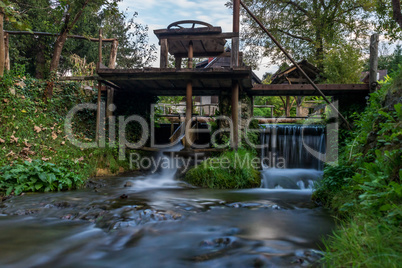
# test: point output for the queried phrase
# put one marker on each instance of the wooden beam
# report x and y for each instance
(2, 49)
(177, 62)
(107, 40)
(113, 54)
(373, 62)
(189, 109)
(98, 113)
(7, 63)
(190, 37)
(190, 55)
(235, 114)
(164, 53)
(100, 49)
(339, 87)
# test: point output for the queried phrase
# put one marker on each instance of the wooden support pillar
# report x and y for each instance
(177, 63)
(100, 49)
(109, 101)
(252, 105)
(190, 55)
(164, 53)
(113, 54)
(189, 109)
(7, 64)
(112, 65)
(2, 54)
(235, 114)
(236, 29)
(189, 96)
(373, 62)
(235, 84)
(98, 113)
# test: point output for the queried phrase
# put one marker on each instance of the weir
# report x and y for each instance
(286, 160)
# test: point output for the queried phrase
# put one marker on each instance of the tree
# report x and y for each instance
(73, 11)
(307, 28)
(389, 18)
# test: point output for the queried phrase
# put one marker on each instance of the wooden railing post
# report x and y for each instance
(373, 63)
(164, 53)
(7, 52)
(113, 54)
(2, 54)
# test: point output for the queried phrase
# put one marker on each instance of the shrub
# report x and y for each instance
(37, 176)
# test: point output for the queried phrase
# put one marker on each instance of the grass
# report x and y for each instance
(364, 244)
(230, 170)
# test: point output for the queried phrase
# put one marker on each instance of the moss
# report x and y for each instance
(230, 170)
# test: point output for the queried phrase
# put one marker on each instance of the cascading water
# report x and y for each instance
(286, 157)
(163, 171)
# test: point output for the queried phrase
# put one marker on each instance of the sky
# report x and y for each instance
(158, 14)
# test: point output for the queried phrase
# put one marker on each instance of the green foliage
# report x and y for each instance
(230, 170)
(365, 189)
(343, 65)
(37, 176)
(306, 28)
(363, 244)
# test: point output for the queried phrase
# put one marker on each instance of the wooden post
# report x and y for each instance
(164, 53)
(236, 28)
(7, 52)
(98, 113)
(235, 114)
(113, 54)
(100, 49)
(112, 65)
(190, 55)
(177, 63)
(252, 105)
(109, 101)
(373, 62)
(189, 97)
(189, 110)
(2, 54)
(235, 84)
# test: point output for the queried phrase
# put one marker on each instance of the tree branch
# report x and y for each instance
(308, 39)
(396, 9)
(298, 7)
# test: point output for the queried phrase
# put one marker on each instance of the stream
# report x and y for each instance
(169, 224)
(152, 220)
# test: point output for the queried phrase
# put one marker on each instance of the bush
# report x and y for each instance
(37, 176)
(230, 170)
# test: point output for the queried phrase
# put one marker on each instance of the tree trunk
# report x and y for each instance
(40, 61)
(396, 8)
(55, 63)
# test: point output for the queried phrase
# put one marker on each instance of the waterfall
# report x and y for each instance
(286, 161)
(286, 146)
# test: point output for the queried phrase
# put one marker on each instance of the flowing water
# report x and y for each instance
(151, 220)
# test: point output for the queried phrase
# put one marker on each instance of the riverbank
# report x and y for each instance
(364, 190)
(33, 139)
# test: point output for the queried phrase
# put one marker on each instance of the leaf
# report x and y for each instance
(37, 129)
(23, 111)
(9, 190)
(385, 207)
(38, 186)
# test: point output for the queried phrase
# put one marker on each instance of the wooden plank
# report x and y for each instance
(164, 53)
(2, 44)
(373, 62)
(284, 87)
(113, 54)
